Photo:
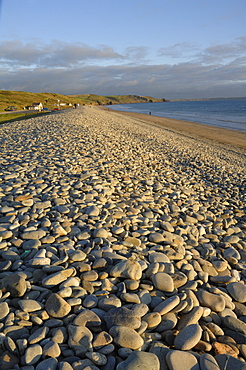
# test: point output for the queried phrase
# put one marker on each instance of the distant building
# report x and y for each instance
(35, 106)
(38, 106)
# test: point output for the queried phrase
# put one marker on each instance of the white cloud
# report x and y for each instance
(180, 50)
(224, 52)
(78, 68)
(56, 54)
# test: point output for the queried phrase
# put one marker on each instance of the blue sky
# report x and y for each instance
(172, 49)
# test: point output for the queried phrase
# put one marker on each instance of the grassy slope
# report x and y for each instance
(20, 99)
(4, 118)
(115, 99)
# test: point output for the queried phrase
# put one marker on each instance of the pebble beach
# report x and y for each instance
(122, 245)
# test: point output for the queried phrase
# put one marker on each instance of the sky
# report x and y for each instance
(171, 49)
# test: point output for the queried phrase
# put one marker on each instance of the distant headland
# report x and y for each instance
(20, 99)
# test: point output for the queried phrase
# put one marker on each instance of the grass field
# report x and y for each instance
(20, 99)
(4, 118)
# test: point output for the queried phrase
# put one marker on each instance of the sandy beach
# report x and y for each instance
(221, 135)
(122, 245)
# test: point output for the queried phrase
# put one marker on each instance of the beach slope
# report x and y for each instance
(122, 245)
(221, 135)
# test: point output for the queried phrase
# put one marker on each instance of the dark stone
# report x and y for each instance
(226, 362)
(238, 337)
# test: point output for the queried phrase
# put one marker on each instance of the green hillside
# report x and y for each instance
(115, 99)
(20, 99)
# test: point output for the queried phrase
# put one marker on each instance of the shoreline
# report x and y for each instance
(197, 130)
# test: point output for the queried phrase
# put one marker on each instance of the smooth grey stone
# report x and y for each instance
(32, 355)
(76, 255)
(125, 336)
(127, 269)
(188, 337)
(52, 269)
(6, 209)
(191, 317)
(231, 252)
(15, 284)
(56, 306)
(155, 301)
(87, 318)
(36, 235)
(227, 312)
(85, 364)
(101, 340)
(97, 358)
(237, 291)
(208, 362)
(140, 309)
(109, 303)
(122, 316)
(163, 281)
(9, 360)
(53, 323)
(38, 335)
(10, 255)
(42, 205)
(48, 364)
(59, 335)
(62, 209)
(160, 350)
(4, 310)
(140, 360)
(178, 360)
(93, 211)
(167, 305)
(51, 349)
(79, 339)
(124, 352)
(100, 233)
(168, 321)
(235, 324)
(228, 363)
(231, 239)
(110, 363)
(57, 278)
(6, 234)
(64, 366)
(158, 257)
(214, 301)
(109, 348)
(240, 309)
(31, 244)
(15, 332)
(156, 237)
(30, 305)
(179, 279)
(5, 265)
(90, 301)
(224, 279)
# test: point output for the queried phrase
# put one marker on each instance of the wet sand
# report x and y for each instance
(217, 134)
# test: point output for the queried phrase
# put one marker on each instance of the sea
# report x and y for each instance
(225, 113)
